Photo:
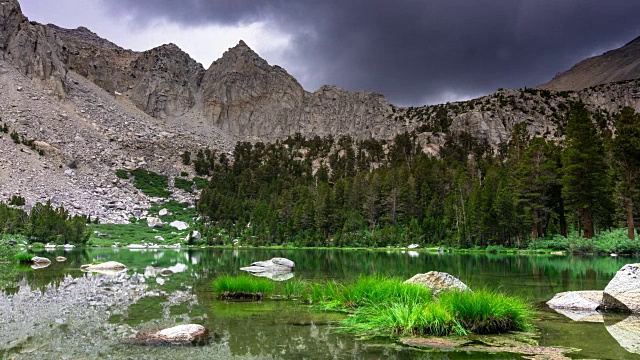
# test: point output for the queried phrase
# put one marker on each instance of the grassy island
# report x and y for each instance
(389, 307)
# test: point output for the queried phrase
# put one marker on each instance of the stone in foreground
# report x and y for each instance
(578, 300)
(623, 291)
(188, 334)
(438, 282)
(109, 265)
(273, 265)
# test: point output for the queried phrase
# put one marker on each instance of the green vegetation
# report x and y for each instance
(23, 257)
(17, 200)
(186, 158)
(152, 184)
(183, 184)
(44, 223)
(122, 174)
(389, 307)
(7, 252)
(137, 231)
(246, 284)
(200, 182)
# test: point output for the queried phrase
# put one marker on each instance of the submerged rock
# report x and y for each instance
(438, 282)
(188, 334)
(109, 265)
(623, 291)
(274, 265)
(579, 300)
(61, 259)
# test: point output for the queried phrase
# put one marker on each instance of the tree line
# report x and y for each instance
(341, 192)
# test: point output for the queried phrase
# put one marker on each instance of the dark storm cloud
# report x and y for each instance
(420, 51)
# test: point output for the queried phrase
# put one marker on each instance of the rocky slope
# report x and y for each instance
(615, 65)
(88, 102)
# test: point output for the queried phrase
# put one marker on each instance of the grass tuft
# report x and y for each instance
(23, 257)
(243, 284)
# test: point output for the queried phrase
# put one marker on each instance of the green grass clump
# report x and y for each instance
(37, 245)
(23, 257)
(243, 283)
(122, 174)
(183, 184)
(152, 184)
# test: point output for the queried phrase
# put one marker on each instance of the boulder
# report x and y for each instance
(163, 212)
(109, 265)
(188, 334)
(623, 291)
(154, 222)
(578, 300)
(438, 282)
(413, 246)
(40, 260)
(196, 235)
(180, 225)
(166, 272)
(273, 265)
(136, 246)
(61, 259)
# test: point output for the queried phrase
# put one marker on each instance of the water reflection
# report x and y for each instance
(141, 298)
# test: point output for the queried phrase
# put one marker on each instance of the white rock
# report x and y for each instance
(154, 222)
(438, 282)
(180, 225)
(581, 300)
(163, 212)
(109, 265)
(137, 246)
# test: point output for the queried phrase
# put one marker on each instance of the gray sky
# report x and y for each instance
(414, 52)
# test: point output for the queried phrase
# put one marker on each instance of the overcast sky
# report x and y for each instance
(414, 52)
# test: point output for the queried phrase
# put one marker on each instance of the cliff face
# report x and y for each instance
(247, 98)
(33, 48)
(615, 65)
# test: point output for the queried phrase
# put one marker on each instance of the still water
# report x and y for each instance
(59, 312)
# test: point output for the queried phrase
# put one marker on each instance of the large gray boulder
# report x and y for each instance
(438, 282)
(623, 291)
(40, 260)
(154, 222)
(273, 265)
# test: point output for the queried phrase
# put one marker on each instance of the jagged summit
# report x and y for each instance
(614, 65)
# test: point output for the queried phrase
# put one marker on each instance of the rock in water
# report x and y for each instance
(438, 282)
(579, 300)
(40, 260)
(61, 259)
(623, 291)
(189, 334)
(109, 265)
(154, 222)
(273, 265)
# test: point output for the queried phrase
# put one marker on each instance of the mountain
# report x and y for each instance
(615, 65)
(83, 107)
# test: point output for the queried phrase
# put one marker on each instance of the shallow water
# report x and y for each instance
(61, 312)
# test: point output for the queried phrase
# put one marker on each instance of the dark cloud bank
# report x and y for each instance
(418, 51)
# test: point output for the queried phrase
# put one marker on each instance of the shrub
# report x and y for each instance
(200, 182)
(17, 200)
(183, 184)
(7, 252)
(151, 183)
(186, 158)
(122, 174)
(184, 173)
(23, 257)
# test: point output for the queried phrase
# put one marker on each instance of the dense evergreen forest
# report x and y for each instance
(341, 192)
(43, 223)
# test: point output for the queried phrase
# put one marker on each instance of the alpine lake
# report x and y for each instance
(60, 312)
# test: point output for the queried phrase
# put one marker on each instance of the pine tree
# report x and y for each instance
(584, 172)
(626, 151)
